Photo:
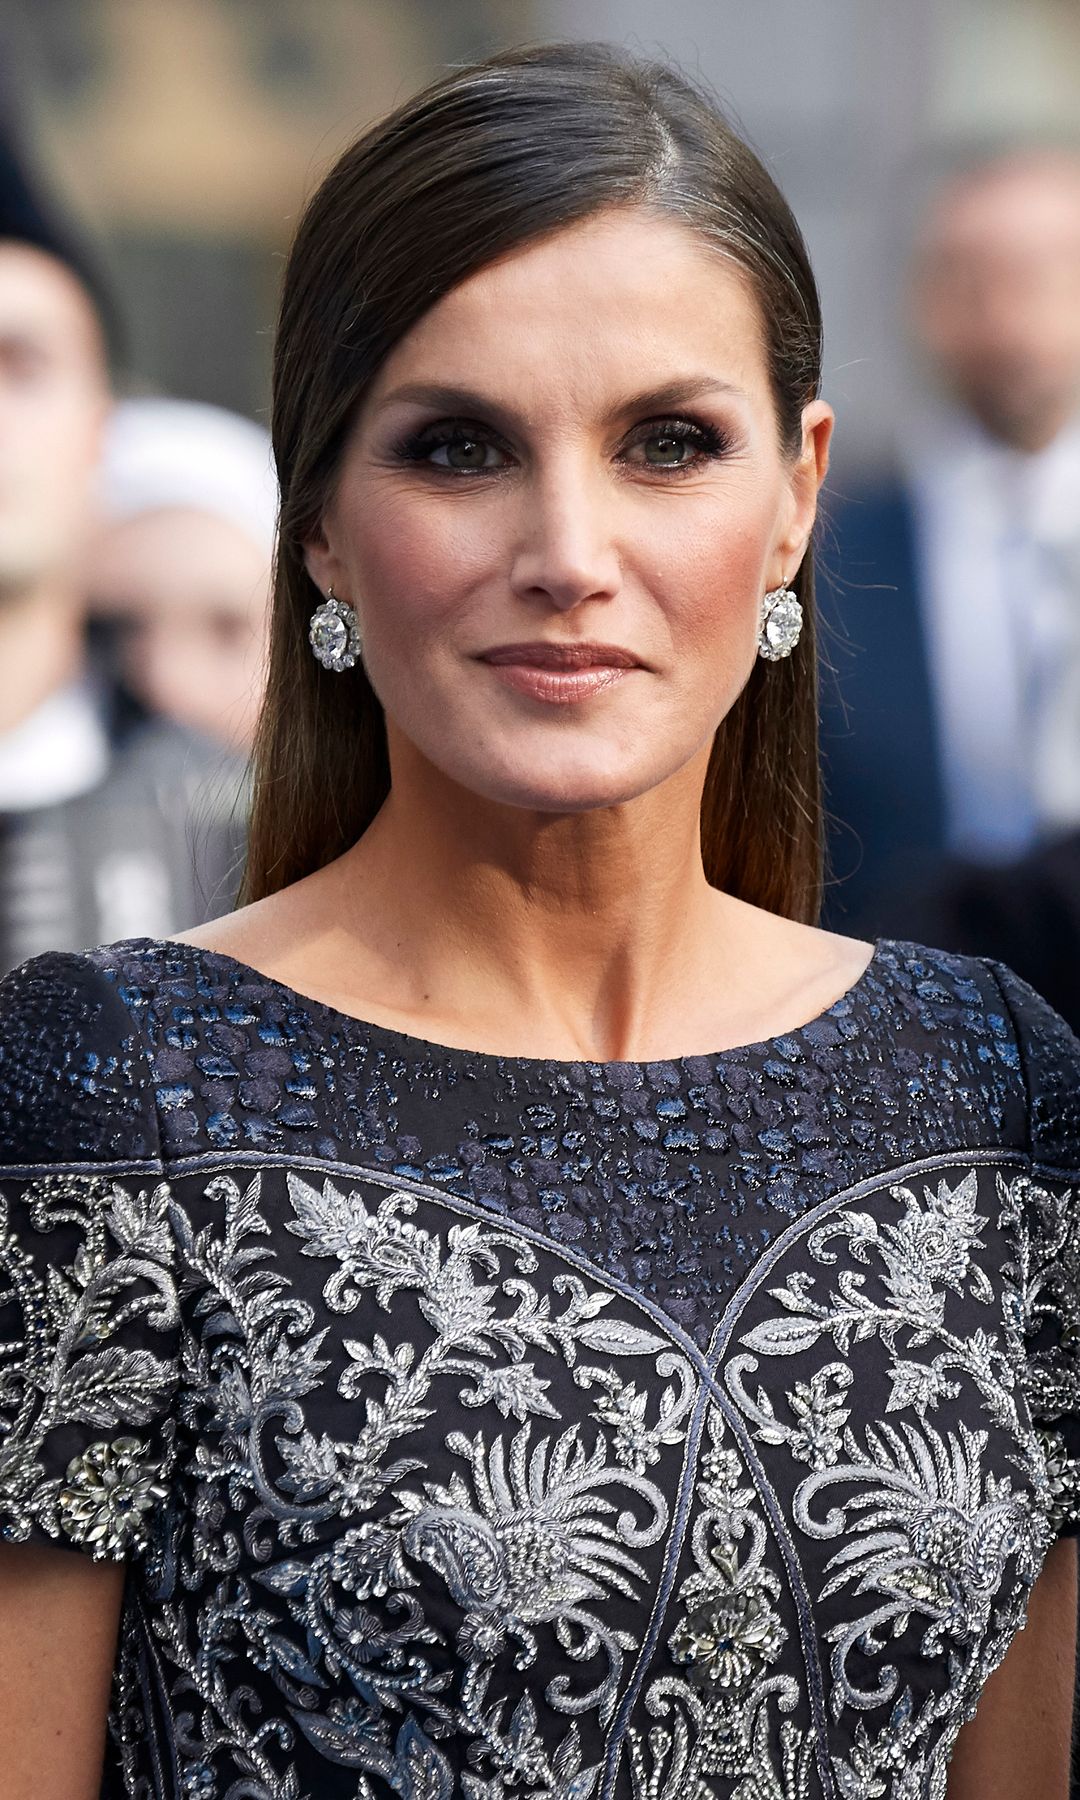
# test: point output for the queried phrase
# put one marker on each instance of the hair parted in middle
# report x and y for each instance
(485, 160)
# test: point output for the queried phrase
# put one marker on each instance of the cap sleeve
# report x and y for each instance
(1047, 1219)
(89, 1320)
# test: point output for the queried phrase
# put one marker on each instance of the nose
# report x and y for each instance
(565, 554)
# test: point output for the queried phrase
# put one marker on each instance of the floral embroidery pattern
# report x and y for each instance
(427, 1480)
(67, 1363)
(936, 1546)
(1045, 1323)
(714, 1723)
(518, 1550)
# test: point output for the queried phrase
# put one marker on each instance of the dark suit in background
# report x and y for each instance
(882, 760)
(889, 870)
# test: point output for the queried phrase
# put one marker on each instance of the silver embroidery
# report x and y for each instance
(933, 1546)
(448, 1569)
(69, 1366)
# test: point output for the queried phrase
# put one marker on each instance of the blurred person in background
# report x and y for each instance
(109, 819)
(655, 1468)
(953, 742)
(181, 569)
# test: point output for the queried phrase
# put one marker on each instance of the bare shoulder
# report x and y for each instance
(300, 937)
(241, 932)
(803, 952)
(281, 936)
(837, 960)
(792, 972)
(267, 933)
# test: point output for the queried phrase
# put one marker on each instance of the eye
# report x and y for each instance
(676, 444)
(458, 447)
(22, 363)
(468, 454)
(666, 450)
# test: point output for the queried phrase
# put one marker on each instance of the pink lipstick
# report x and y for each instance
(560, 673)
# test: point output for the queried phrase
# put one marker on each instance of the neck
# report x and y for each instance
(40, 651)
(581, 922)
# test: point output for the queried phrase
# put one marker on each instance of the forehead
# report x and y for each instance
(619, 296)
(1017, 206)
(165, 553)
(41, 299)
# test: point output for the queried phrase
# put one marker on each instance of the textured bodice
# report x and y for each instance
(510, 1427)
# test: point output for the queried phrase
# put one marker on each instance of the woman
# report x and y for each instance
(181, 567)
(530, 1313)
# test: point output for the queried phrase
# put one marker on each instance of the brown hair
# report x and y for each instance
(484, 160)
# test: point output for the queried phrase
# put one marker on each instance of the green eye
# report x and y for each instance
(466, 453)
(665, 451)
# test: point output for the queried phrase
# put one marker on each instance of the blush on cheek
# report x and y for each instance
(726, 590)
(414, 565)
(716, 561)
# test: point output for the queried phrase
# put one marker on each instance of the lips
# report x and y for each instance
(560, 674)
(561, 656)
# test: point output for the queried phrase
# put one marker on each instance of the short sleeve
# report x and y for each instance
(1047, 1220)
(89, 1314)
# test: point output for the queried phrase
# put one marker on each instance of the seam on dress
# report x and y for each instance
(995, 970)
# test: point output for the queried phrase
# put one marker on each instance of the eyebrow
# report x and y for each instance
(470, 400)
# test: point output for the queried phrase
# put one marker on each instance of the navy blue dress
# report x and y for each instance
(535, 1430)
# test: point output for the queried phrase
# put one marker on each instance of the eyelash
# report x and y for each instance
(709, 440)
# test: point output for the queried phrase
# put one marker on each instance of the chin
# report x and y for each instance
(547, 787)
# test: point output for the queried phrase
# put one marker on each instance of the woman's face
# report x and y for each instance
(559, 507)
(187, 593)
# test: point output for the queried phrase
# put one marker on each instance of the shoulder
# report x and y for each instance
(1048, 1053)
(1025, 1056)
(74, 1078)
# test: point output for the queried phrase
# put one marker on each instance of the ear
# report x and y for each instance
(805, 476)
(323, 565)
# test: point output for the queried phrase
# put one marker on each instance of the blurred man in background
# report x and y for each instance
(180, 570)
(952, 734)
(102, 808)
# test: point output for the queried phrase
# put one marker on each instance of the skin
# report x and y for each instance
(187, 592)
(53, 404)
(534, 884)
(996, 296)
(59, 1620)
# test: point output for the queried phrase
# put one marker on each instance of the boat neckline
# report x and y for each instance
(408, 1045)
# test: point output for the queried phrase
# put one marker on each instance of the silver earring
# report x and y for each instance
(334, 633)
(779, 624)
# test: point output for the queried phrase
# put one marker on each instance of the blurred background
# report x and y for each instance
(186, 133)
(176, 142)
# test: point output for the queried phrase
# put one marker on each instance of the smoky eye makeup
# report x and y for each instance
(681, 444)
(668, 446)
(466, 437)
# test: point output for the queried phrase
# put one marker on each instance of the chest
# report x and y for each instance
(480, 1506)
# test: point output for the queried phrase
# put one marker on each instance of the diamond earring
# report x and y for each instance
(779, 624)
(334, 633)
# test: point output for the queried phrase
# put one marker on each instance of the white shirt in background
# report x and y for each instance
(998, 544)
(60, 751)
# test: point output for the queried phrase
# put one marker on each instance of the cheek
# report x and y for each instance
(712, 574)
(415, 561)
(67, 429)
